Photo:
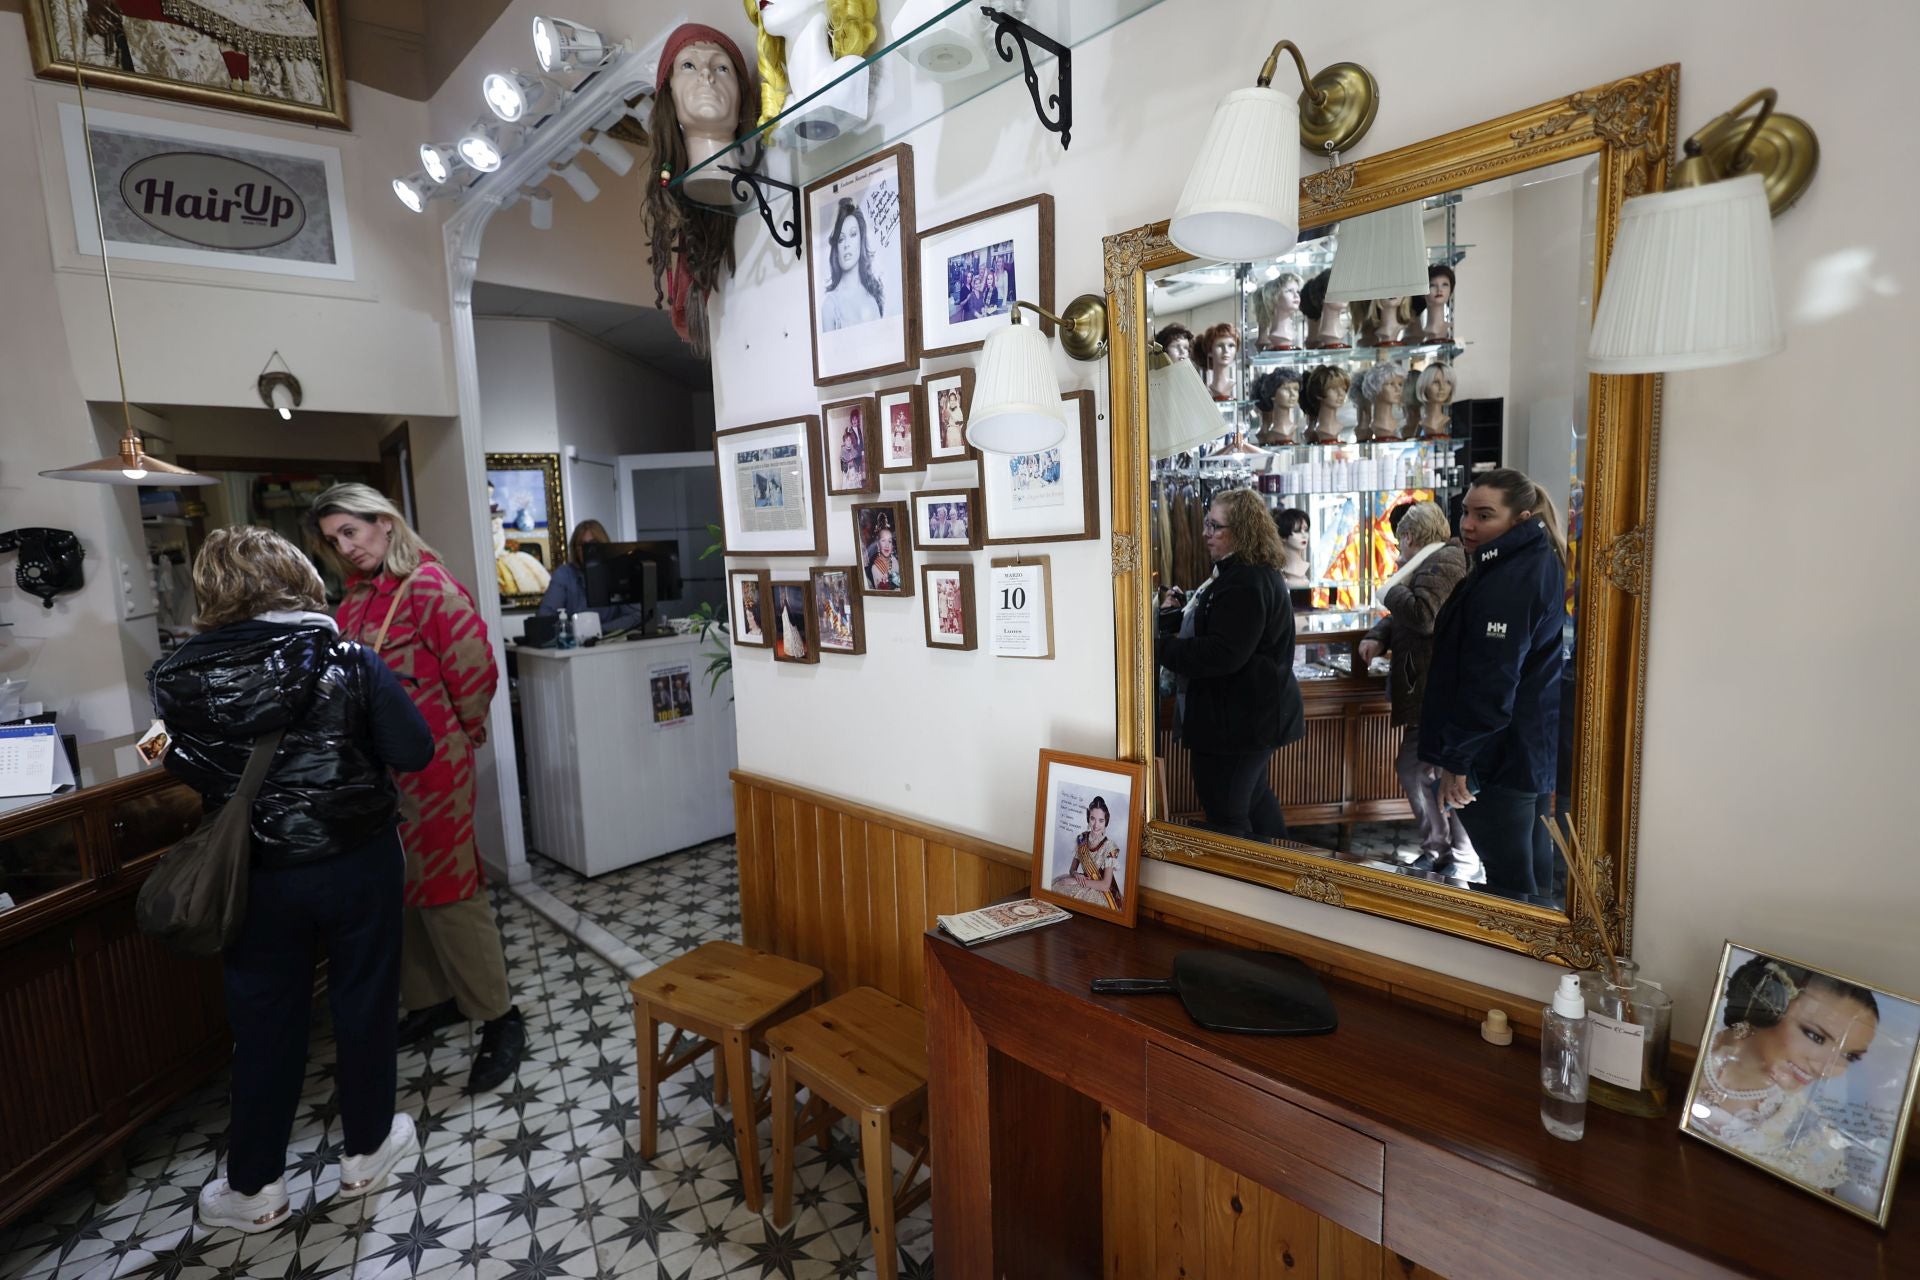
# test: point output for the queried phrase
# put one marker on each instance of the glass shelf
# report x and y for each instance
(1326, 355)
(903, 99)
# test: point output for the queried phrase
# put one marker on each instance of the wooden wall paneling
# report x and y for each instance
(1395, 1267)
(746, 854)
(1127, 1183)
(943, 891)
(809, 917)
(786, 878)
(1346, 1256)
(48, 1095)
(1179, 1176)
(889, 964)
(910, 900)
(1289, 1239)
(1046, 1155)
(834, 921)
(972, 881)
(1232, 1209)
(1376, 743)
(855, 890)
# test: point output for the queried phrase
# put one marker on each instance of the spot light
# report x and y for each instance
(514, 96)
(485, 146)
(576, 177)
(610, 153)
(561, 45)
(540, 209)
(414, 191)
(438, 159)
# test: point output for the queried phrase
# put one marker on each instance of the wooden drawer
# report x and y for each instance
(1325, 1166)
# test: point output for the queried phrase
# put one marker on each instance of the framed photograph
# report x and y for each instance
(880, 540)
(973, 269)
(795, 638)
(852, 446)
(860, 282)
(1049, 496)
(946, 520)
(1087, 824)
(1809, 1075)
(948, 589)
(901, 418)
(949, 399)
(278, 58)
(1020, 607)
(838, 619)
(750, 595)
(771, 502)
(529, 524)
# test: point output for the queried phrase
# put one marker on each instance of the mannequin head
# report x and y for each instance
(704, 74)
(1313, 295)
(1383, 385)
(1277, 390)
(1439, 285)
(1219, 345)
(1294, 526)
(1435, 385)
(850, 33)
(1325, 391)
(1286, 292)
(1177, 341)
(1380, 320)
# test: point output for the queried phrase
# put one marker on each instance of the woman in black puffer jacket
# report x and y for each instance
(327, 866)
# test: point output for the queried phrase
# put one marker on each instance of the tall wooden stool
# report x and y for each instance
(722, 996)
(864, 1054)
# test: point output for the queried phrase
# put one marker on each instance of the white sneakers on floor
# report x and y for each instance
(361, 1174)
(222, 1206)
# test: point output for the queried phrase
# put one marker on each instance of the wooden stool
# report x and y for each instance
(724, 996)
(864, 1054)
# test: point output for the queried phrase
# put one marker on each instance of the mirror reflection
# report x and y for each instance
(1369, 462)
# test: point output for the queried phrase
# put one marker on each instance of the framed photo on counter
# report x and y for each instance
(1049, 496)
(771, 502)
(860, 279)
(973, 269)
(1087, 823)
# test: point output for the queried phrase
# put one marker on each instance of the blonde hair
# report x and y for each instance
(580, 531)
(771, 53)
(363, 502)
(1423, 524)
(1256, 539)
(243, 572)
(850, 23)
(851, 31)
(1520, 493)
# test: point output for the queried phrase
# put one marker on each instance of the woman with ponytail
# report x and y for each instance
(1490, 721)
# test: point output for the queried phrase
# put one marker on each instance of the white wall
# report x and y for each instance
(607, 404)
(517, 409)
(1767, 807)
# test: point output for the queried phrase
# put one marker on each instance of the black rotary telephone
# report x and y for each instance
(49, 561)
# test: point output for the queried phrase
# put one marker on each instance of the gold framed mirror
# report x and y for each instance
(1585, 153)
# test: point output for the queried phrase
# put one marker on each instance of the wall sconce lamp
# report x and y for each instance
(1690, 284)
(279, 389)
(1242, 198)
(1180, 413)
(1016, 397)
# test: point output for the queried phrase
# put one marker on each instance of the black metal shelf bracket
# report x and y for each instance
(750, 185)
(1008, 30)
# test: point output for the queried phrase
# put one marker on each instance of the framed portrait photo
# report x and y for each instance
(529, 519)
(1087, 823)
(852, 446)
(946, 520)
(771, 501)
(881, 540)
(900, 416)
(948, 593)
(793, 623)
(973, 269)
(749, 596)
(949, 399)
(1808, 1075)
(860, 281)
(1049, 496)
(838, 619)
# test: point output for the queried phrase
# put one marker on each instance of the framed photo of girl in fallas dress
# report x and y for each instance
(1088, 817)
(862, 292)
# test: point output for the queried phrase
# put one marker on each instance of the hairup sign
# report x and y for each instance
(195, 196)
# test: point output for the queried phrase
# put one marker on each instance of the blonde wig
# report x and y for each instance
(363, 502)
(851, 31)
(771, 53)
(243, 572)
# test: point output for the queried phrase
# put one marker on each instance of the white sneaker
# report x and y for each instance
(222, 1206)
(361, 1174)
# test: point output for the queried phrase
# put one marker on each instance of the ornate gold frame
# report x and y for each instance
(1629, 125)
(558, 531)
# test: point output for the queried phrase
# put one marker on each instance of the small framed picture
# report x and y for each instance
(948, 589)
(946, 520)
(750, 592)
(1809, 1075)
(771, 502)
(795, 637)
(860, 282)
(901, 417)
(949, 399)
(1087, 824)
(838, 619)
(973, 269)
(1049, 496)
(850, 446)
(886, 559)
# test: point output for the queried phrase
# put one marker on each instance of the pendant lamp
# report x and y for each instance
(1380, 255)
(1016, 396)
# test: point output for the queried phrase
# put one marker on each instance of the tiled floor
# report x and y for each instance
(540, 1179)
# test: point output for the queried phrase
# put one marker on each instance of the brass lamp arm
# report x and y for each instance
(1742, 155)
(1315, 95)
(1039, 311)
(1083, 329)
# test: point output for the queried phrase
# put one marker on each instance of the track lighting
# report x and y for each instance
(561, 45)
(515, 97)
(611, 154)
(576, 177)
(485, 146)
(438, 159)
(415, 190)
(540, 209)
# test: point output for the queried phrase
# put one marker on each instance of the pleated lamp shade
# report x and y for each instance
(1016, 397)
(1380, 255)
(1690, 285)
(1180, 413)
(1242, 198)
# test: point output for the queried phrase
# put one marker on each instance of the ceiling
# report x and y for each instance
(410, 47)
(642, 333)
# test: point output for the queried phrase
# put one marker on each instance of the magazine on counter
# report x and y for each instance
(1001, 920)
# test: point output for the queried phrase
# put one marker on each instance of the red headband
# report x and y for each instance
(695, 33)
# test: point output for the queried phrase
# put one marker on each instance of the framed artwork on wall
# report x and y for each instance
(948, 397)
(951, 620)
(973, 269)
(749, 596)
(852, 446)
(771, 501)
(1088, 816)
(881, 542)
(839, 620)
(795, 637)
(900, 417)
(860, 280)
(1049, 496)
(946, 520)
(529, 520)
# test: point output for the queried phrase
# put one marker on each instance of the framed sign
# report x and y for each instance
(839, 620)
(1088, 816)
(948, 592)
(973, 269)
(529, 518)
(949, 399)
(795, 638)
(771, 502)
(860, 282)
(946, 520)
(901, 415)
(852, 446)
(880, 540)
(750, 592)
(1020, 607)
(277, 58)
(1049, 496)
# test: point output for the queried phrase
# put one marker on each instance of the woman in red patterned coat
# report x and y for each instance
(402, 603)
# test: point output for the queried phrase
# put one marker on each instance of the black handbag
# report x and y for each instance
(196, 896)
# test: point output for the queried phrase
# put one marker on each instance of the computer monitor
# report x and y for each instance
(617, 574)
(665, 555)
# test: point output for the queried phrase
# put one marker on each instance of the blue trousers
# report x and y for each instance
(347, 909)
(1505, 827)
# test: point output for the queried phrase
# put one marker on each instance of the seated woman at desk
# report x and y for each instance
(568, 590)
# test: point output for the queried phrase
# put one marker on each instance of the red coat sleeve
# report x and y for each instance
(452, 628)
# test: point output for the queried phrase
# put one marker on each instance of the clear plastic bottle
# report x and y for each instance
(1565, 1045)
(563, 633)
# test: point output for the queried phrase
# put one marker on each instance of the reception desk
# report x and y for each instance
(610, 782)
